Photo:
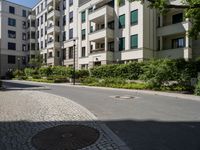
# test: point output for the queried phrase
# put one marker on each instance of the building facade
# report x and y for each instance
(100, 31)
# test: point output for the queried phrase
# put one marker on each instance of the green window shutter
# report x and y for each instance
(121, 44)
(134, 41)
(134, 17)
(83, 17)
(122, 21)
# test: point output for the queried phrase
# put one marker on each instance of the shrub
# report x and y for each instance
(30, 72)
(62, 71)
(18, 73)
(80, 74)
(45, 71)
(9, 74)
(197, 88)
(158, 72)
(36, 76)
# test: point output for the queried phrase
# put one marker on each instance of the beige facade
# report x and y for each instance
(101, 31)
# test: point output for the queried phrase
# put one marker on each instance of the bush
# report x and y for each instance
(58, 79)
(18, 73)
(45, 71)
(80, 74)
(158, 72)
(197, 89)
(129, 71)
(29, 72)
(62, 71)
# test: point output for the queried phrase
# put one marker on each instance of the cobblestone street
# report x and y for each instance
(24, 113)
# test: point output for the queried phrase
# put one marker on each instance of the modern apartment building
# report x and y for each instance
(101, 31)
(13, 36)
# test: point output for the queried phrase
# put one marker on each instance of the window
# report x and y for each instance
(41, 44)
(121, 21)
(23, 36)
(177, 18)
(122, 44)
(83, 17)
(11, 34)
(178, 43)
(11, 10)
(121, 3)
(111, 46)
(42, 32)
(24, 47)
(134, 41)
(38, 22)
(11, 59)
(64, 20)
(83, 52)
(70, 33)
(32, 46)
(70, 2)
(64, 36)
(11, 22)
(58, 54)
(71, 50)
(24, 24)
(24, 13)
(24, 60)
(64, 54)
(41, 19)
(83, 34)
(11, 46)
(45, 16)
(71, 17)
(134, 17)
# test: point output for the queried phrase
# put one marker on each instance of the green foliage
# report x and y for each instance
(45, 71)
(30, 72)
(62, 71)
(18, 73)
(80, 74)
(129, 71)
(158, 72)
(36, 62)
(197, 88)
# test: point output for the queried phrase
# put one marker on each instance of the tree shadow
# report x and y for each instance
(138, 135)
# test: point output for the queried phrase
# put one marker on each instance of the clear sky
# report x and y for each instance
(28, 3)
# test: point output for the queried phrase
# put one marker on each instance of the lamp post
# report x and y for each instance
(74, 66)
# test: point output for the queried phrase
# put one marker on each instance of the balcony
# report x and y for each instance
(53, 13)
(177, 28)
(102, 33)
(185, 53)
(99, 50)
(105, 10)
(52, 44)
(53, 28)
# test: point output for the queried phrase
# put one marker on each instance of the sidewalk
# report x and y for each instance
(25, 113)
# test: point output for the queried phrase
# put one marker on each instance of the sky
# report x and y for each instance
(28, 3)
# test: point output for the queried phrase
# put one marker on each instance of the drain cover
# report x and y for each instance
(65, 137)
(123, 97)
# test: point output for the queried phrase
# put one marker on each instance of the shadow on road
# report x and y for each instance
(10, 86)
(140, 135)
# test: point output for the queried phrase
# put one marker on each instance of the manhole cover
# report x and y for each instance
(65, 137)
(123, 97)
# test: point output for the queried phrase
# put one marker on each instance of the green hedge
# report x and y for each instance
(129, 71)
(197, 88)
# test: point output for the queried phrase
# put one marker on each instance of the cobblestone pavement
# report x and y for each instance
(24, 113)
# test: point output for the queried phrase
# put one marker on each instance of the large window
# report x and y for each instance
(177, 18)
(11, 10)
(134, 17)
(70, 33)
(71, 17)
(11, 59)
(122, 21)
(83, 17)
(11, 22)
(11, 46)
(83, 52)
(122, 44)
(178, 43)
(24, 13)
(11, 34)
(71, 50)
(134, 41)
(83, 34)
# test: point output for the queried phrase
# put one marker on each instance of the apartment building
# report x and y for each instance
(100, 31)
(13, 36)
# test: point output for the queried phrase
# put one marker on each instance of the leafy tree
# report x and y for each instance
(191, 9)
(36, 62)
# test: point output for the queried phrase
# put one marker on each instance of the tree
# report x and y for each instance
(191, 11)
(36, 62)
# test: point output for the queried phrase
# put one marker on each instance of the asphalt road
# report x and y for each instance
(146, 122)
